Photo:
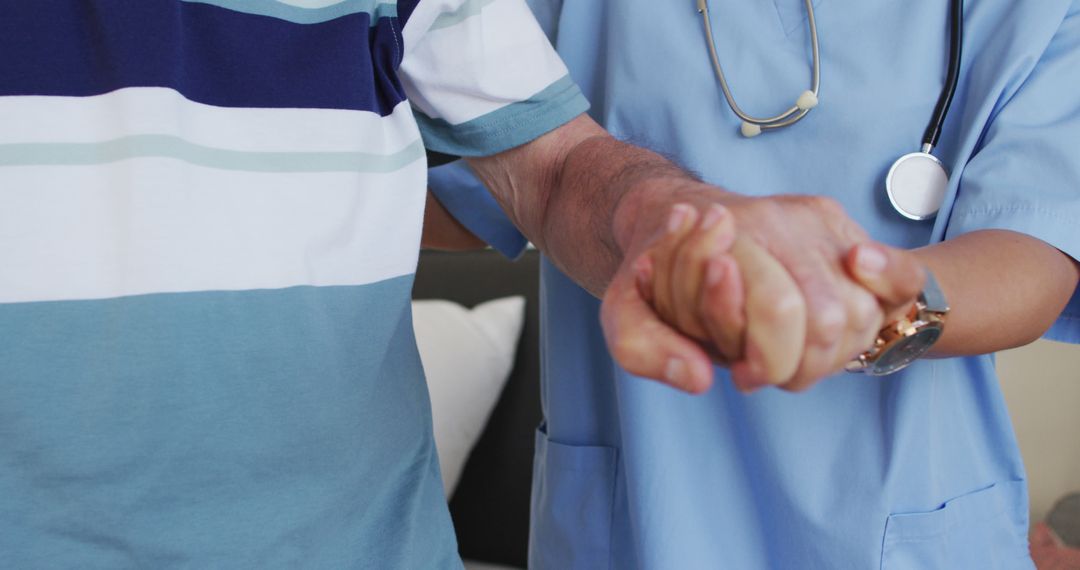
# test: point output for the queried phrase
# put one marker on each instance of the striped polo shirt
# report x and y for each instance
(210, 212)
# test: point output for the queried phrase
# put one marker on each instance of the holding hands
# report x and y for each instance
(784, 290)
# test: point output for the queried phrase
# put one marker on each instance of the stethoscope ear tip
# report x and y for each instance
(750, 130)
(807, 100)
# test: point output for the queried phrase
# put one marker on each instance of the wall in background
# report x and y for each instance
(1041, 382)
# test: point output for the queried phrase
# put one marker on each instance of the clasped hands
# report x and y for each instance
(784, 290)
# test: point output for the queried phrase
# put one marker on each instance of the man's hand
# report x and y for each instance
(675, 270)
(812, 289)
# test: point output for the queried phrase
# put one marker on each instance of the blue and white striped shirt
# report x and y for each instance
(210, 212)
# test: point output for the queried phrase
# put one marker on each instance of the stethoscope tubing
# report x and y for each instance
(941, 109)
(794, 114)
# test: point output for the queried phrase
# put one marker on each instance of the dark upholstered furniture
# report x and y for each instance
(490, 507)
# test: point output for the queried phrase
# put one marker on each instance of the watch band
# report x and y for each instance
(931, 294)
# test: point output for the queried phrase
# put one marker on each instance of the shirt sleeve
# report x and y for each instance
(1025, 176)
(482, 77)
(459, 191)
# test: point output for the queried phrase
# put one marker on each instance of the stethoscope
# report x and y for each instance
(916, 182)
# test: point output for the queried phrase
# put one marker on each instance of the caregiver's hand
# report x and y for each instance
(802, 315)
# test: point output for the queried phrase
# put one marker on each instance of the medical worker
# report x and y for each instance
(917, 469)
(210, 213)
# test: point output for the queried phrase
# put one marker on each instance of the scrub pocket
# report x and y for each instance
(984, 530)
(573, 497)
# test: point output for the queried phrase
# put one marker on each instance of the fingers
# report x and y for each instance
(841, 320)
(722, 306)
(745, 299)
(671, 274)
(645, 346)
(866, 319)
(826, 326)
(713, 237)
(681, 221)
(775, 316)
(894, 276)
(848, 329)
(643, 276)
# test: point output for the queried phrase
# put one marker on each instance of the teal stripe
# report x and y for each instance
(467, 10)
(507, 127)
(168, 146)
(376, 8)
(283, 428)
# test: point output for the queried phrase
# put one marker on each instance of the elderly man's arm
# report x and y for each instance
(565, 189)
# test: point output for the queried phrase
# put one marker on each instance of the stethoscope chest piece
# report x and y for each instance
(916, 185)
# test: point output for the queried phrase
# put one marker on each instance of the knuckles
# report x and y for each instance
(828, 323)
(826, 205)
(782, 310)
(811, 204)
(865, 311)
(625, 349)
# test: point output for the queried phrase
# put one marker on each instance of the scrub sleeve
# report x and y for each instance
(1025, 174)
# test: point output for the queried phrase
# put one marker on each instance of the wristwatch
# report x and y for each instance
(901, 342)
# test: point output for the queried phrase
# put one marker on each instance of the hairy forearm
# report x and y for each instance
(600, 205)
(584, 206)
(1004, 289)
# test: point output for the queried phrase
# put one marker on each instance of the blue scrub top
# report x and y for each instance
(917, 470)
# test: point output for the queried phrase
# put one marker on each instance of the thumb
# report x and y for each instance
(893, 275)
(646, 346)
(776, 317)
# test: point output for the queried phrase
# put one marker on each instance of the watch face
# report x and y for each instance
(904, 351)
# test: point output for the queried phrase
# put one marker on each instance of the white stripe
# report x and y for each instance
(154, 225)
(157, 110)
(479, 65)
(423, 17)
(310, 4)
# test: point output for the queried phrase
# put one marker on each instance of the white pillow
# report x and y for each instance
(467, 357)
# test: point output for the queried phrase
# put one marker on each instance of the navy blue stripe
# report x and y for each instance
(405, 9)
(209, 54)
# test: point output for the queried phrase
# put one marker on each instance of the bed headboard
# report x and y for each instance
(490, 507)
